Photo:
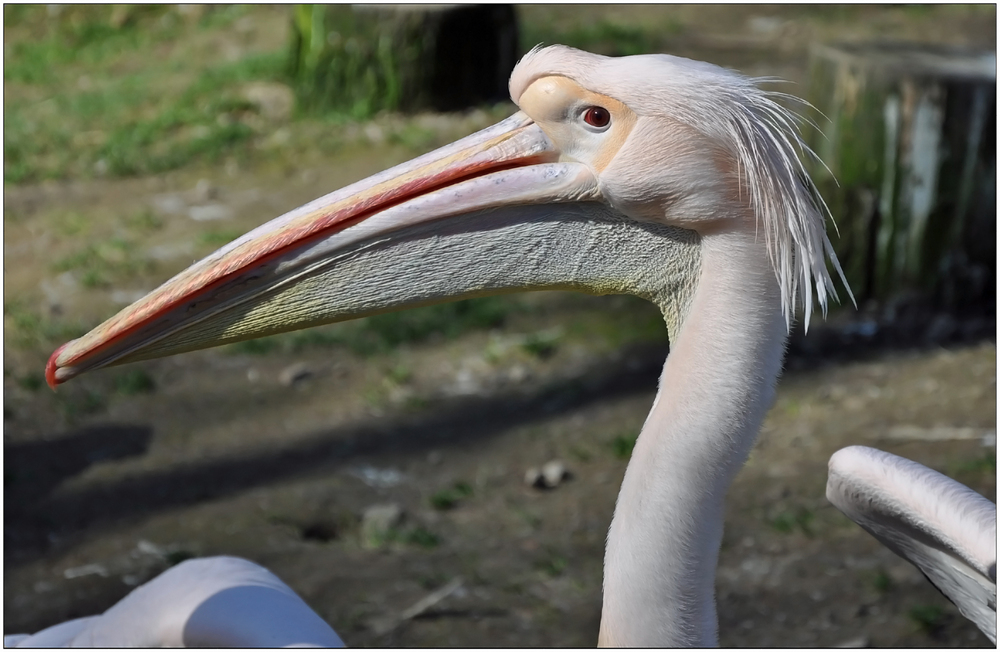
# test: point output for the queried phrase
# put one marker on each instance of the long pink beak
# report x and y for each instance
(512, 162)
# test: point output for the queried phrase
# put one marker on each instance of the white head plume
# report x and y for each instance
(761, 135)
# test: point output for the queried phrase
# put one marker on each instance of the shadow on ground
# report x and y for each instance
(37, 513)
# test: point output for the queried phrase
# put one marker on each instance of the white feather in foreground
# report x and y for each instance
(213, 602)
(944, 528)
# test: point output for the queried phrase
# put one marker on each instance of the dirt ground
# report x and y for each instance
(276, 455)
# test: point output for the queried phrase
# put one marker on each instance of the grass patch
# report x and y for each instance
(218, 238)
(622, 446)
(791, 408)
(604, 37)
(789, 521)
(105, 114)
(97, 265)
(59, 37)
(414, 137)
(986, 463)
(530, 518)
(145, 221)
(554, 565)
(418, 536)
(175, 137)
(31, 382)
(421, 537)
(26, 329)
(77, 405)
(261, 346)
(415, 403)
(447, 320)
(541, 345)
(449, 498)
(624, 320)
(882, 582)
(73, 224)
(399, 374)
(928, 617)
(134, 382)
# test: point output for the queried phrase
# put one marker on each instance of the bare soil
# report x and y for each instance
(213, 463)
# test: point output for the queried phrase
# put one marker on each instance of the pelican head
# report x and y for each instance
(604, 182)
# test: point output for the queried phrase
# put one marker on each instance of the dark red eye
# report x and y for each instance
(595, 116)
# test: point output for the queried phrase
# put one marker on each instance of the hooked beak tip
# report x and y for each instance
(51, 369)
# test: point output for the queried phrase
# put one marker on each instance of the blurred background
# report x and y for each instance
(374, 463)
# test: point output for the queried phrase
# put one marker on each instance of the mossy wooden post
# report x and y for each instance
(911, 143)
(363, 59)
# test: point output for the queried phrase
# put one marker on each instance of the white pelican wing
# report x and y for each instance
(944, 528)
(212, 602)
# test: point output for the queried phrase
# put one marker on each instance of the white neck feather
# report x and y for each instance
(716, 386)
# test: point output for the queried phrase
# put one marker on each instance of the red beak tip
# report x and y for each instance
(50, 368)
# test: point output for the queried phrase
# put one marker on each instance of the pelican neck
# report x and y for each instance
(716, 386)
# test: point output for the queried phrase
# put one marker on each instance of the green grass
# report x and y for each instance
(218, 238)
(418, 536)
(133, 382)
(541, 345)
(413, 137)
(449, 498)
(554, 565)
(73, 224)
(73, 112)
(623, 320)
(580, 453)
(421, 537)
(25, 328)
(262, 346)
(32, 382)
(75, 37)
(399, 374)
(882, 582)
(74, 405)
(100, 264)
(530, 518)
(447, 320)
(929, 617)
(622, 446)
(986, 463)
(792, 520)
(88, 94)
(979, 472)
(144, 221)
(603, 37)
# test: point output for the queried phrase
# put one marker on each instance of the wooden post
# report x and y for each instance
(364, 59)
(911, 142)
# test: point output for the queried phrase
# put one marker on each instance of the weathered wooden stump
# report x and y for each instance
(364, 59)
(912, 143)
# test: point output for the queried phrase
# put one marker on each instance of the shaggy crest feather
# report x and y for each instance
(761, 135)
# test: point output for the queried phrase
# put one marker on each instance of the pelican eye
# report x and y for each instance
(597, 116)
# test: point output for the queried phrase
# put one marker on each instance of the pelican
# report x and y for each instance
(670, 179)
